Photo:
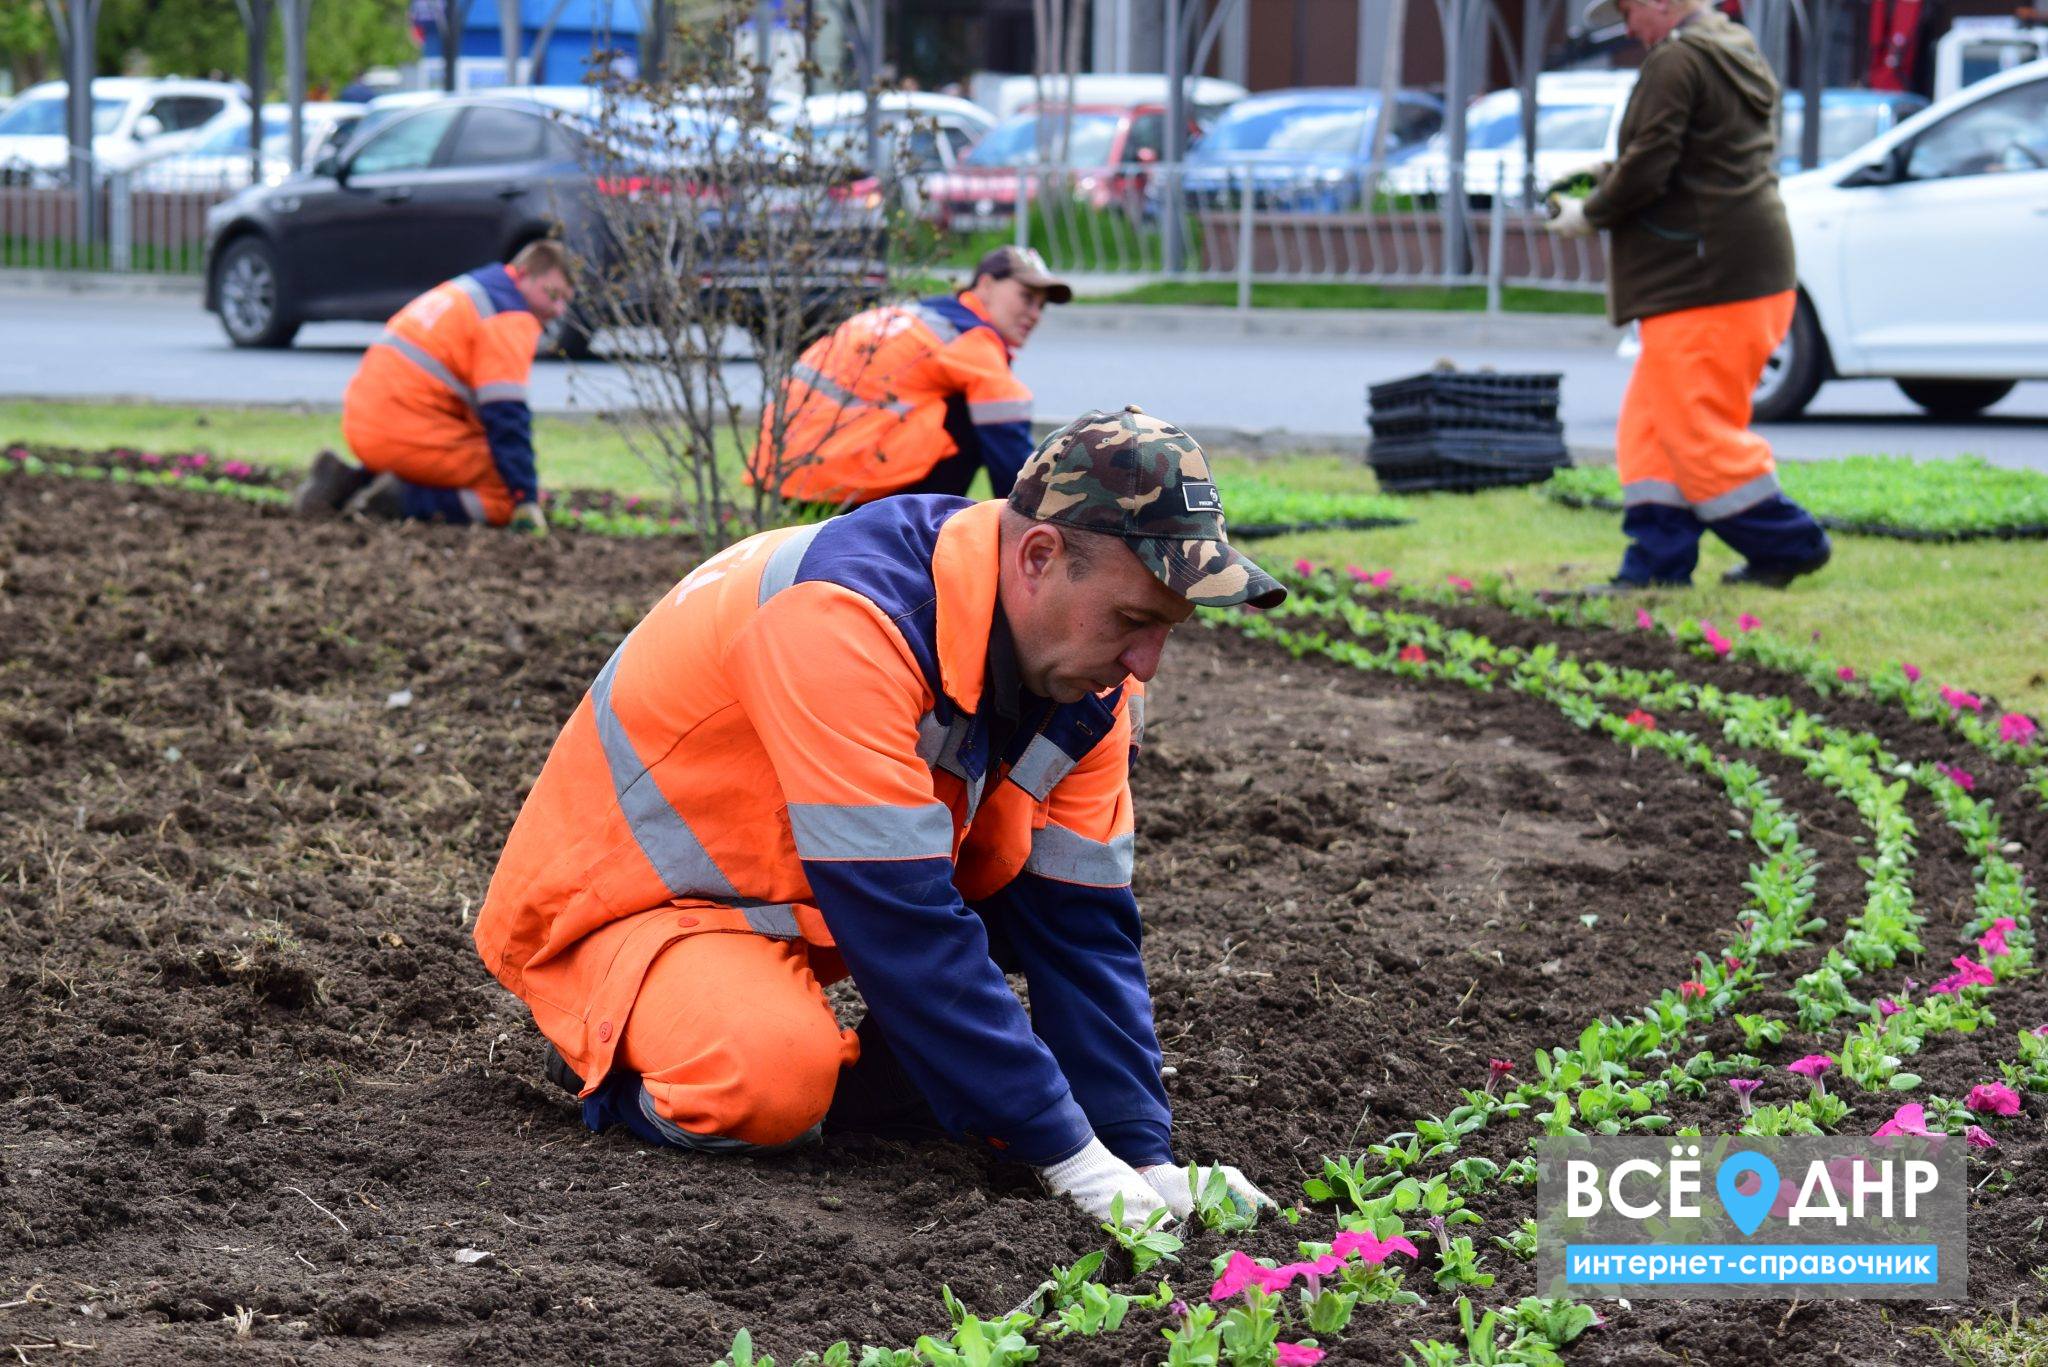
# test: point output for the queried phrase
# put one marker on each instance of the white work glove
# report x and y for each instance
(1568, 218)
(1095, 1176)
(528, 517)
(1179, 1194)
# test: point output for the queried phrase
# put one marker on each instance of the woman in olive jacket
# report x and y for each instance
(1701, 256)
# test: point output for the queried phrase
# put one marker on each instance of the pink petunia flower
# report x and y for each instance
(2015, 729)
(1497, 1070)
(1887, 1007)
(1239, 1272)
(1721, 644)
(1731, 963)
(1846, 674)
(1911, 671)
(1744, 1088)
(1296, 1355)
(1962, 778)
(1381, 579)
(1413, 655)
(1992, 942)
(1811, 1068)
(1977, 1138)
(1304, 567)
(1993, 1097)
(1644, 620)
(1961, 701)
(1459, 582)
(1747, 623)
(1369, 1247)
(2041, 1032)
(1642, 719)
(1910, 1118)
(1695, 990)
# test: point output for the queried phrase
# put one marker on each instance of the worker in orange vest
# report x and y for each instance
(897, 744)
(437, 412)
(913, 398)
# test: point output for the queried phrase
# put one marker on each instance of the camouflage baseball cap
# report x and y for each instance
(1128, 474)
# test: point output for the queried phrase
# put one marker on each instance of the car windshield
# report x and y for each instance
(1495, 124)
(1014, 142)
(1843, 129)
(1310, 128)
(233, 136)
(43, 117)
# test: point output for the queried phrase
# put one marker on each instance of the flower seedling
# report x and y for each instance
(1097, 1310)
(1215, 1205)
(1522, 1243)
(1147, 1243)
(1812, 1068)
(1457, 1260)
(980, 1343)
(1758, 1031)
(1744, 1088)
(1251, 1329)
(1497, 1071)
(1194, 1340)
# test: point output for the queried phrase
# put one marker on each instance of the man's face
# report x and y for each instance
(1013, 307)
(1080, 636)
(547, 294)
(1650, 21)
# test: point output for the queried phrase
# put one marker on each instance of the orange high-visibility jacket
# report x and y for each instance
(452, 366)
(891, 393)
(794, 742)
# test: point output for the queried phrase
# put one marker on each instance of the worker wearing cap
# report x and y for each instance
(897, 744)
(914, 398)
(1701, 255)
(437, 413)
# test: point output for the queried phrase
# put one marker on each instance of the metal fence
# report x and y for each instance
(149, 221)
(1421, 224)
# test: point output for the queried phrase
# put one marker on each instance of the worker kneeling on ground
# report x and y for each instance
(437, 413)
(913, 399)
(896, 744)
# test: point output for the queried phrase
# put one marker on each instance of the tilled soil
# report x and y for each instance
(264, 1104)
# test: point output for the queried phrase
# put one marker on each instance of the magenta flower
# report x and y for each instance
(1642, 719)
(1747, 623)
(1296, 1355)
(1811, 1067)
(1497, 1070)
(1962, 778)
(2015, 729)
(1969, 973)
(2041, 1032)
(1731, 963)
(1179, 1310)
(1887, 1007)
(1459, 582)
(1744, 1088)
(1644, 620)
(1721, 644)
(1992, 942)
(1912, 672)
(1239, 1272)
(1994, 1097)
(1695, 990)
(1976, 1138)
(1304, 567)
(1846, 674)
(150, 458)
(1959, 700)
(1412, 655)
(1369, 1247)
(1910, 1118)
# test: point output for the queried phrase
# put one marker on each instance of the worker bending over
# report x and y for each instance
(897, 744)
(437, 413)
(914, 398)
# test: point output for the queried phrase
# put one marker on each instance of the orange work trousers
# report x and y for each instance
(1684, 437)
(460, 462)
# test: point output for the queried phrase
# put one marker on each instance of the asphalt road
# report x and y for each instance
(166, 349)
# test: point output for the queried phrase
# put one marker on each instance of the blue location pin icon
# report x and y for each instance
(1747, 1211)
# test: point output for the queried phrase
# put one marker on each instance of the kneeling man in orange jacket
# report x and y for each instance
(895, 745)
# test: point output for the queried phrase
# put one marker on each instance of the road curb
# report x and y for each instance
(1446, 328)
(105, 284)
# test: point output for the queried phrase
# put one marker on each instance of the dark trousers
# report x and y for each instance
(1664, 541)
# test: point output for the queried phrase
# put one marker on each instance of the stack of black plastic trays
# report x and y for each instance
(1448, 429)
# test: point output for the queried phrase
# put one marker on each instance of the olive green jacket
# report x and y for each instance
(1691, 201)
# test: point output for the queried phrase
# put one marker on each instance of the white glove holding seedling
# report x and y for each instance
(1177, 1189)
(528, 518)
(1094, 1177)
(1568, 218)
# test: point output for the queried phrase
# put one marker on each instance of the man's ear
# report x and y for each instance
(1038, 548)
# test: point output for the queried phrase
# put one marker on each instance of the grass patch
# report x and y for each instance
(1968, 613)
(1992, 1342)
(1279, 295)
(1884, 494)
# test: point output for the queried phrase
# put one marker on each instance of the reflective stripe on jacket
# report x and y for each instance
(454, 364)
(792, 741)
(866, 411)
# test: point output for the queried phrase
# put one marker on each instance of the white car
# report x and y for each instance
(133, 120)
(940, 128)
(1578, 125)
(1920, 256)
(219, 160)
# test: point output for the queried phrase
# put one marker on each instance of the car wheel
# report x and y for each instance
(251, 296)
(1794, 371)
(1955, 398)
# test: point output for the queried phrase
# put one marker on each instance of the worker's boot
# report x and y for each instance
(559, 1072)
(875, 1096)
(332, 483)
(383, 498)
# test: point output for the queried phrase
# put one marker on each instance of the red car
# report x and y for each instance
(1106, 152)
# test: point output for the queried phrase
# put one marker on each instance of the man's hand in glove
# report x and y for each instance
(1568, 219)
(1177, 1189)
(528, 517)
(1092, 1178)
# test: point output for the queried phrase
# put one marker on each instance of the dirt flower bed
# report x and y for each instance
(264, 1104)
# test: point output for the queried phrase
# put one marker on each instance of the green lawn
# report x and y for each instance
(1973, 614)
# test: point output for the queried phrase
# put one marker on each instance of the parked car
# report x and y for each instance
(1304, 149)
(1103, 153)
(220, 158)
(1207, 96)
(1920, 256)
(133, 121)
(431, 189)
(923, 133)
(1848, 119)
(1578, 120)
